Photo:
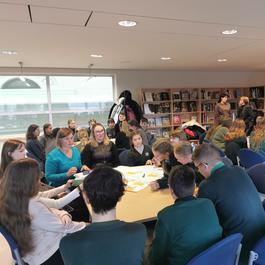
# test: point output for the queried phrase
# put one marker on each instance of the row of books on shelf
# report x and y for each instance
(215, 94)
(185, 95)
(157, 108)
(159, 121)
(256, 92)
(186, 106)
(161, 96)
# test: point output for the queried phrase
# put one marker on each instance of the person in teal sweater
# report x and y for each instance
(234, 195)
(64, 161)
(106, 241)
(186, 228)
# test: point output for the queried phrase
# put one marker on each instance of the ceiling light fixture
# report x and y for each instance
(229, 32)
(127, 23)
(222, 60)
(5, 52)
(21, 77)
(96, 55)
(165, 58)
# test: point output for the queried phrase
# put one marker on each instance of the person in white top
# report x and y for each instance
(36, 228)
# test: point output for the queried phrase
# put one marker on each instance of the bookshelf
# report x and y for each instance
(166, 109)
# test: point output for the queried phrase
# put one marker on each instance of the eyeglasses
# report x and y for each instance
(201, 163)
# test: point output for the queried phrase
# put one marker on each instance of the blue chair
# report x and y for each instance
(257, 254)
(249, 158)
(224, 252)
(257, 174)
(13, 246)
(123, 157)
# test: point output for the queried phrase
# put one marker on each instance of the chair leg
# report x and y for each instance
(238, 254)
(252, 257)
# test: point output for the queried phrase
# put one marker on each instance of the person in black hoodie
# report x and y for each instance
(127, 105)
(245, 113)
(163, 153)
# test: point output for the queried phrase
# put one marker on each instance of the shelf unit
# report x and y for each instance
(168, 108)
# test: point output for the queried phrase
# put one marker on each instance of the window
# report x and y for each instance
(66, 97)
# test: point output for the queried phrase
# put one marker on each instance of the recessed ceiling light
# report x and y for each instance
(165, 58)
(222, 60)
(229, 32)
(96, 55)
(5, 52)
(127, 23)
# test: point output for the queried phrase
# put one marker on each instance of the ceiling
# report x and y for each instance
(64, 33)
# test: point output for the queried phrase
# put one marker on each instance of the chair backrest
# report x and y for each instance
(249, 158)
(13, 246)
(257, 174)
(257, 255)
(232, 151)
(225, 252)
(123, 157)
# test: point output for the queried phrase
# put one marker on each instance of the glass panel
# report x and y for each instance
(23, 99)
(18, 124)
(76, 93)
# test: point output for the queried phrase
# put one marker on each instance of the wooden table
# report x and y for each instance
(144, 205)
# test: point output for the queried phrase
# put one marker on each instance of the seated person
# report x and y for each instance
(218, 139)
(73, 127)
(135, 126)
(64, 161)
(144, 125)
(83, 138)
(164, 154)
(36, 228)
(111, 128)
(123, 136)
(186, 228)
(183, 154)
(139, 154)
(234, 195)
(100, 150)
(106, 241)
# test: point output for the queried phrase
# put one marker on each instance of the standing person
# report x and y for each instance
(64, 161)
(245, 112)
(72, 126)
(139, 154)
(234, 195)
(121, 242)
(100, 150)
(130, 107)
(36, 228)
(111, 129)
(164, 154)
(186, 228)
(47, 139)
(34, 148)
(222, 108)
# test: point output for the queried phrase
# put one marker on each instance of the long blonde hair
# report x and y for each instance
(93, 140)
(237, 130)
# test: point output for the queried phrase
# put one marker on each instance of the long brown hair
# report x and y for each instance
(237, 130)
(19, 184)
(9, 147)
(258, 135)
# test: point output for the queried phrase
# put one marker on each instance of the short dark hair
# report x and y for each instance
(104, 187)
(206, 153)
(144, 120)
(134, 123)
(182, 181)
(111, 120)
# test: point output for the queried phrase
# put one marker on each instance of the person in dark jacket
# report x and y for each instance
(129, 106)
(123, 136)
(186, 228)
(34, 148)
(163, 153)
(245, 112)
(234, 195)
(100, 150)
(139, 154)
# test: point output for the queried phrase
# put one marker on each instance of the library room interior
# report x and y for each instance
(133, 129)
